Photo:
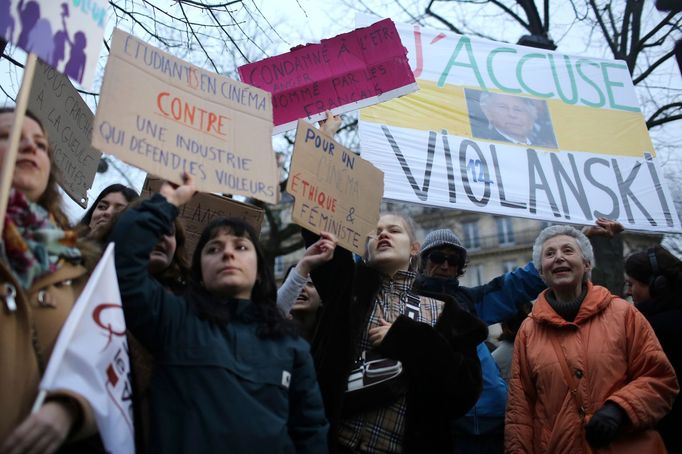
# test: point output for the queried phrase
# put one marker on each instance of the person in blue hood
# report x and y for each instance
(231, 373)
(444, 260)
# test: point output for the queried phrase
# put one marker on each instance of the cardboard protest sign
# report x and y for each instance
(352, 70)
(180, 118)
(518, 131)
(66, 35)
(68, 122)
(203, 207)
(336, 190)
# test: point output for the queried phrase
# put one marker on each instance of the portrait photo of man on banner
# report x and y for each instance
(510, 118)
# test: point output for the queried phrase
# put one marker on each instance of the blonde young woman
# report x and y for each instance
(371, 311)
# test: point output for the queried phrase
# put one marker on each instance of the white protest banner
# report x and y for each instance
(180, 118)
(344, 73)
(66, 35)
(517, 131)
(203, 207)
(336, 191)
(68, 122)
(91, 359)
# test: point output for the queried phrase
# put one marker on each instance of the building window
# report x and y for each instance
(471, 238)
(474, 275)
(505, 233)
(509, 266)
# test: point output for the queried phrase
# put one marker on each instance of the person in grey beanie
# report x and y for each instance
(443, 261)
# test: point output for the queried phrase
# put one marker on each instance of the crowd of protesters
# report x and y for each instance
(381, 353)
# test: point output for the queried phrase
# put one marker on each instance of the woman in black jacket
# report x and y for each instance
(371, 311)
(653, 278)
(231, 375)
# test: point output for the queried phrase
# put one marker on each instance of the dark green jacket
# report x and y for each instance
(215, 388)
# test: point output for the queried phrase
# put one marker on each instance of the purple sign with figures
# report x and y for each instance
(65, 34)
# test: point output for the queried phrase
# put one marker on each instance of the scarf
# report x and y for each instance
(34, 244)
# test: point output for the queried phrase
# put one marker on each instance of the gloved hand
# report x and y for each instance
(604, 425)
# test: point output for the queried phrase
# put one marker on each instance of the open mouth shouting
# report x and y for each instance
(383, 244)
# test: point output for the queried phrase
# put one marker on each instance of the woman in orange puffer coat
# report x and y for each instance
(588, 372)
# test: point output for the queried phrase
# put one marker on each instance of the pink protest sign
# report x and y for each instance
(350, 71)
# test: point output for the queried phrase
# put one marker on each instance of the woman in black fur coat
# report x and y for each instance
(371, 312)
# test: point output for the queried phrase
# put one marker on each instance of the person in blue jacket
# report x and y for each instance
(231, 373)
(444, 259)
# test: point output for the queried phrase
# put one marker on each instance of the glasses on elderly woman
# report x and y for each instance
(438, 258)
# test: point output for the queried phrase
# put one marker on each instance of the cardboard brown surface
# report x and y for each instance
(167, 116)
(203, 207)
(68, 122)
(336, 190)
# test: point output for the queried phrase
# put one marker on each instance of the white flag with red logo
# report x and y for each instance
(91, 357)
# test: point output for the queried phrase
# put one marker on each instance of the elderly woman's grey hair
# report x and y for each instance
(556, 230)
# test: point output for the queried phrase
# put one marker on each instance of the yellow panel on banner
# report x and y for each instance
(576, 128)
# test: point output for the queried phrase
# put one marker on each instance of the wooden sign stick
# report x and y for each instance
(10, 158)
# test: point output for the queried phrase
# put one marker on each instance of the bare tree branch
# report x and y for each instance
(191, 29)
(230, 38)
(654, 119)
(441, 19)
(534, 23)
(653, 66)
(657, 27)
(512, 14)
(205, 6)
(625, 29)
(602, 25)
(134, 19)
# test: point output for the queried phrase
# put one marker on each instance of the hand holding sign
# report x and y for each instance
(318, 253)
(331, 124)
(604, 227)
(203, 208)
(179, 195)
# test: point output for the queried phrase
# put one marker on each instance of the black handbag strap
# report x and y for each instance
(412, 306)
